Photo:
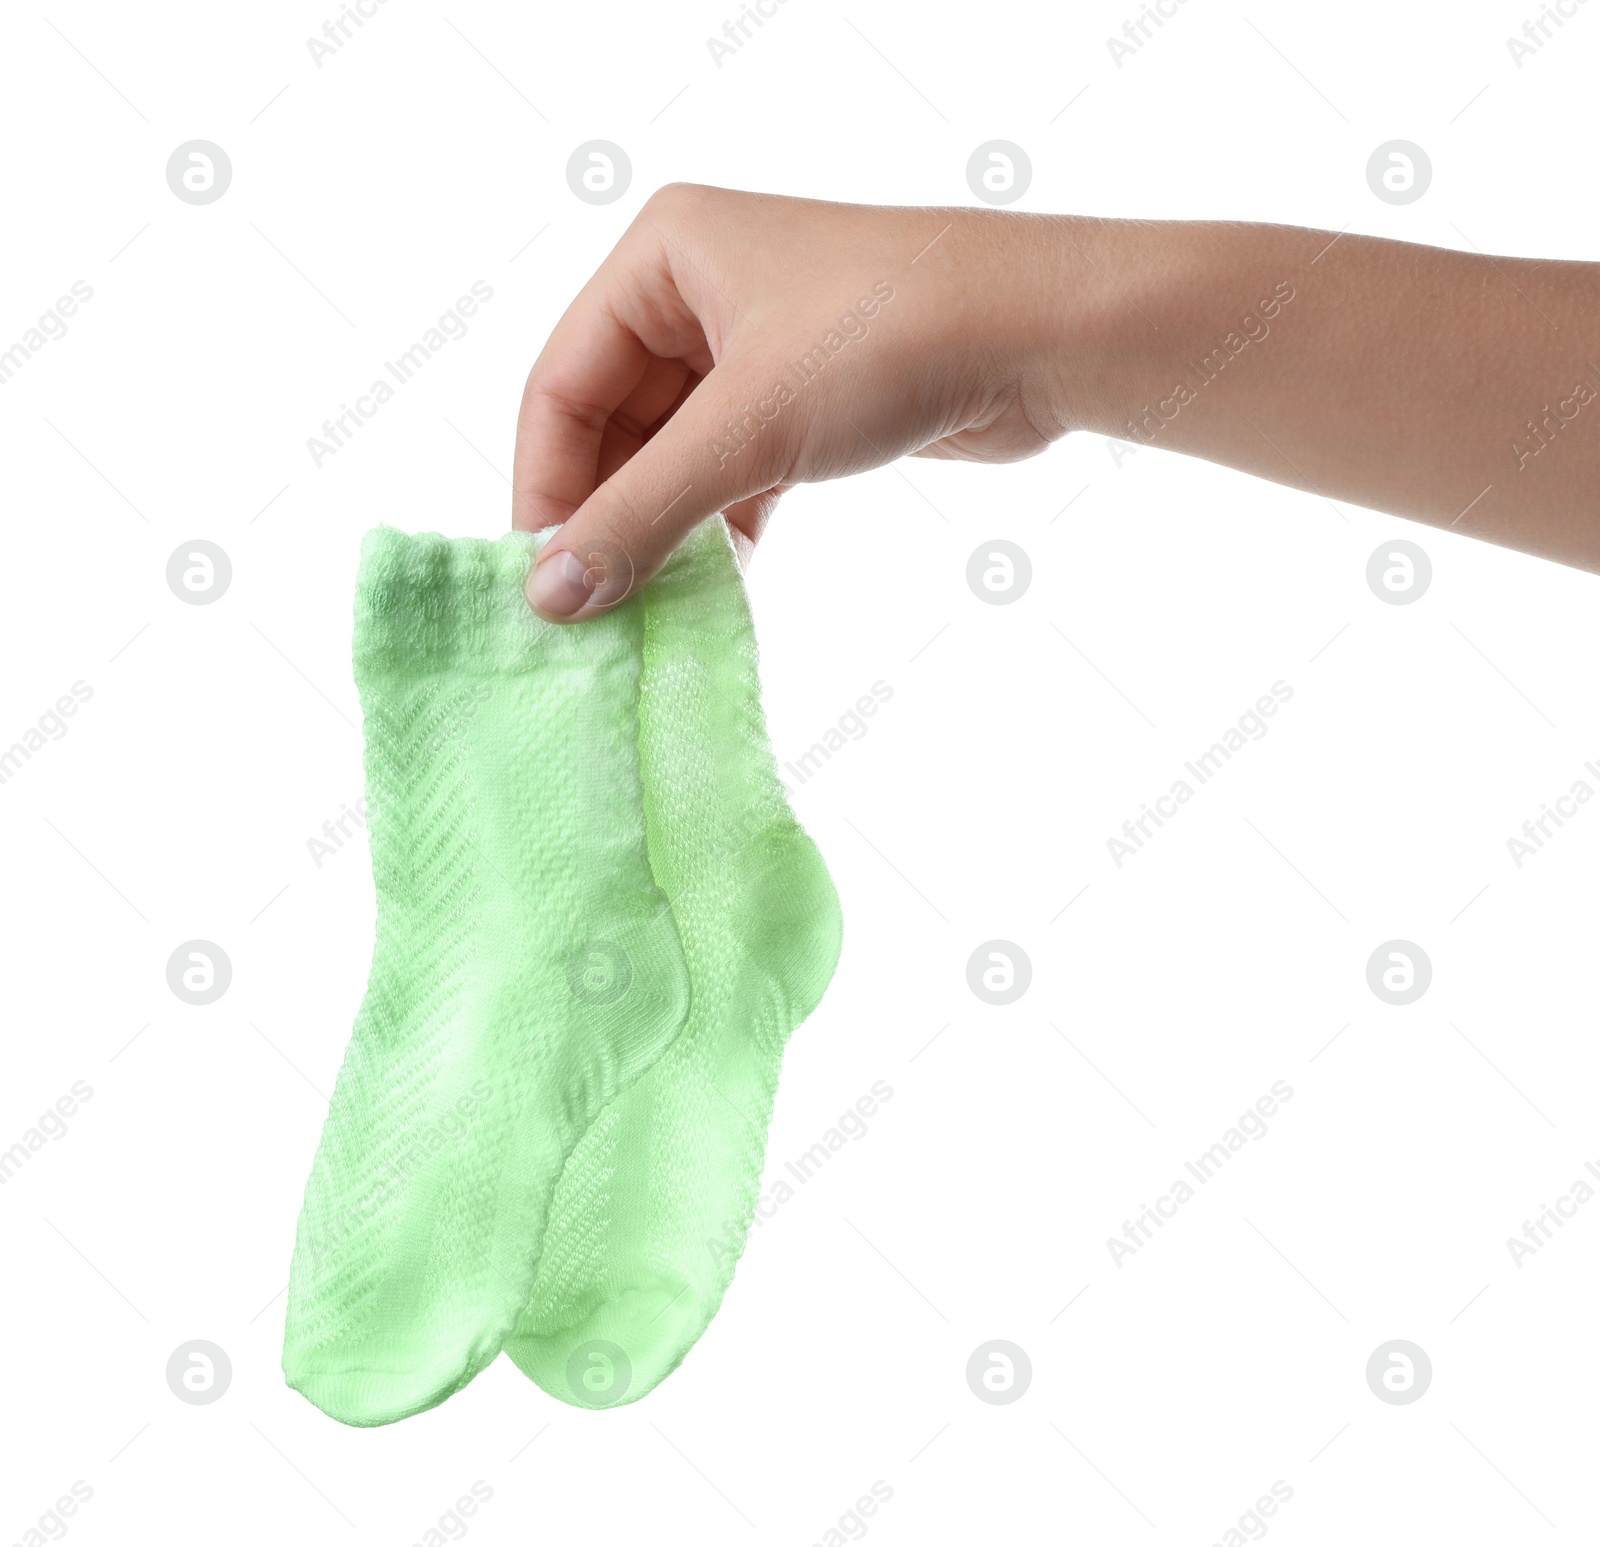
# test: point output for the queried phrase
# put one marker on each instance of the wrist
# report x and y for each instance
(1139, 321)
(1102, 328)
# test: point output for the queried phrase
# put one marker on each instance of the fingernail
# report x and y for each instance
(559, 585)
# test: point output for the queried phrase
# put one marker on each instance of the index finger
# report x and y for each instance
(602, 362)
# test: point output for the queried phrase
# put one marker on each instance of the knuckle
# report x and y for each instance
(679, 200)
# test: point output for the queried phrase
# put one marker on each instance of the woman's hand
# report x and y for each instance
(734, 344)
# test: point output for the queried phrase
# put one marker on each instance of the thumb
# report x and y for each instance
(719, 448)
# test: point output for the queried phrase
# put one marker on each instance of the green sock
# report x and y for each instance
(527, 969)
(654, 1206)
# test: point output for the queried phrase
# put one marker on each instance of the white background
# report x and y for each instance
(1172, 1391)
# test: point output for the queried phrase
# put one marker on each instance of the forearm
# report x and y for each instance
(1450, 387)
(735, 344)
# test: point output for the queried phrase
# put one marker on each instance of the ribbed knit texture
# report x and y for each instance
(526, 970)
(655, 1204)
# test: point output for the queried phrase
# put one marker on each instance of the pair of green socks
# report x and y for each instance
(598, 922)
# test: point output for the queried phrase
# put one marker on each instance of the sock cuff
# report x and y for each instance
(698, 567)
(426, 602)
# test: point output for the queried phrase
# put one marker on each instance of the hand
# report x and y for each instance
(734, 344)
